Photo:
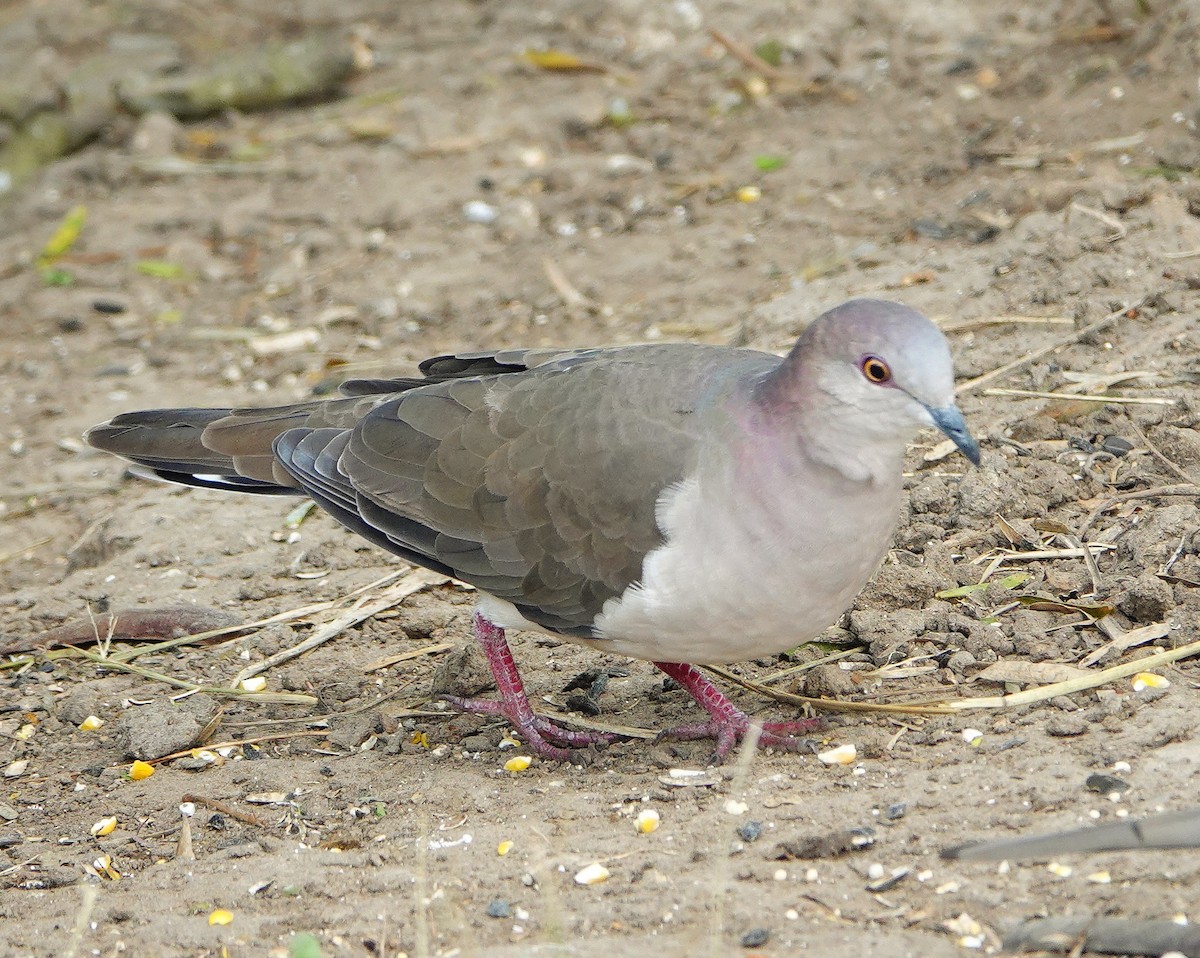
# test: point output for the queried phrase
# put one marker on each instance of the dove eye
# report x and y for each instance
(875, 369)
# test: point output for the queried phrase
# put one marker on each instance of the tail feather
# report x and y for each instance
(169, 445)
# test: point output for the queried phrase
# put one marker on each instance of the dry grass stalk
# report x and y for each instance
(1083, 397)
(1053, 346)
(411, 582)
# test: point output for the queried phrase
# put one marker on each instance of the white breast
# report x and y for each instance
(752, 565)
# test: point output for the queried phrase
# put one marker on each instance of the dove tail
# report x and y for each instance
(174, 445)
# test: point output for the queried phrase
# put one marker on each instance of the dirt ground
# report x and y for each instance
(1019, 171)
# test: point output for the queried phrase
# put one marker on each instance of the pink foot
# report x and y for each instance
(729, 724)
(535, 730)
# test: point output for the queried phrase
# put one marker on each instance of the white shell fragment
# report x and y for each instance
(842, 755)
(592, 874)
(972, 736)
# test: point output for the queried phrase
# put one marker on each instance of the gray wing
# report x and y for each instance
(540, 487)
(231, 448)
(1167, 830)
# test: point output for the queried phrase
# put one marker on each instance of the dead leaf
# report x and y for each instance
(1030, 673)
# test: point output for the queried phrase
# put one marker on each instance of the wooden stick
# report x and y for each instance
(1021, 362)
(747, 56)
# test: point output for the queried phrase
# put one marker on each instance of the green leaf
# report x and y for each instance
(770, 51)
(299, 514)
(304, 945)
(1008, 582)
(53, 276)
(159, 268)
(64, 236)
(959, 592)
(765, 162)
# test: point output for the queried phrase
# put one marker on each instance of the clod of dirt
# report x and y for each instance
(1146, 599)
(79, 703)
(95, 546)
(163, 726)
(828, 845)
(1066, 726)
(827, 681)
(350, 731)
(463, 671)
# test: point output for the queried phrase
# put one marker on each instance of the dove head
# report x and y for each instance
(861, 380)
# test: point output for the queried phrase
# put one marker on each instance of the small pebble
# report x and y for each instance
(1105, 784)
(895, 811)
(499, 908)
(750, 831)
(756, 938)
(478, 211)
(108, 306)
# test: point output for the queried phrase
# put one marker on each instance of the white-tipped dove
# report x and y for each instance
(684, 504)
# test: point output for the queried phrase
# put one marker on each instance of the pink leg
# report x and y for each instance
(514, 704)
(729, 723)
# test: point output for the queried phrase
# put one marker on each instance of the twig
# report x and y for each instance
(128, 655)
(271, 737)
(578, 721)
(1073, 553)
(805, 666)
(413, 581)
(285, 698)
(1089, 559)
(226, 809)
(1125, 640)
(984, 321)
(1057, 344)
(571, 296)
(1191, 489)
(1083, 397)
(405, 656)
(1120, 232)
(747, 56)
(955, 706)
(1095, 680)
(823, 704)
(36, 544)
(1158, 453)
